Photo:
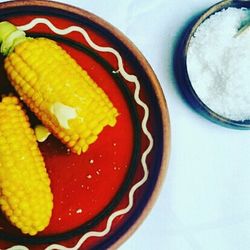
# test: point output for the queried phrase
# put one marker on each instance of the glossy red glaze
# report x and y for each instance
(84, 185)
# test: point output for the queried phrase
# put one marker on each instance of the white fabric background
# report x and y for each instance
(205, 200)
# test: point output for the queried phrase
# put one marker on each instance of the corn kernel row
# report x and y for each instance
(44, 74)
(25, 194)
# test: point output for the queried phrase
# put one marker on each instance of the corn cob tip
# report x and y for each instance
(10, 36)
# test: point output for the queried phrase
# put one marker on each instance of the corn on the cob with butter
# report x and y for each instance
(25, 194)
(60, 93)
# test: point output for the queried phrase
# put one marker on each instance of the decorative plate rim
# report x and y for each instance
(154, 84)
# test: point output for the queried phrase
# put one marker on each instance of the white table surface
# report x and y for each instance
(204, 203)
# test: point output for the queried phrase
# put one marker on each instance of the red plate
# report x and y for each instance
(101, 196)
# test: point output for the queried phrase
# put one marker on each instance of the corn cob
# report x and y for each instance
(60, 93)
(25, 195)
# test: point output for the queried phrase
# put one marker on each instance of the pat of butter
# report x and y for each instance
(63, 113)
(41, 133)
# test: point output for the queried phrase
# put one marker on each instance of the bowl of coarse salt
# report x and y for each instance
(212, 64)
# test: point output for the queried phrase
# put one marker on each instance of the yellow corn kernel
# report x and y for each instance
(24, 183)
(62, 95)
(41, 133)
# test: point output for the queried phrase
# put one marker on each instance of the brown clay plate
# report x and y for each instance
(101, 196)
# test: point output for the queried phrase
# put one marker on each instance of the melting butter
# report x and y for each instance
(41, 133)
(63, 113)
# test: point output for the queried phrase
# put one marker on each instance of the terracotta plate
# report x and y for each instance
(101, 196)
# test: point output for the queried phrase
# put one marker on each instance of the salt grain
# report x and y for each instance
(89, 176)
(218, 64)
(79, 211)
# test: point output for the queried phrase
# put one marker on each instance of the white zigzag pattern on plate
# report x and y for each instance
(128, 77)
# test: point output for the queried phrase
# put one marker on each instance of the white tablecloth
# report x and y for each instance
(205, 202)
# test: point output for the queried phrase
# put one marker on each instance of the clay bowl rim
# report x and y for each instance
(181, 73)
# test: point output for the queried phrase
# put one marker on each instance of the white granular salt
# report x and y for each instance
(218, 63)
